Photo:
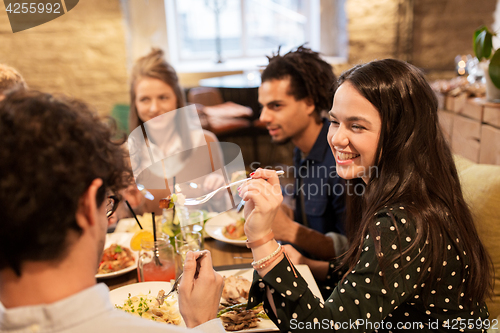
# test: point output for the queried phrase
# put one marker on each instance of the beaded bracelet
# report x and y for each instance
(263, 260)
(270, 261)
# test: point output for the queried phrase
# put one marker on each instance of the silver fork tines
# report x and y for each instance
(175, 286)
(206, 197)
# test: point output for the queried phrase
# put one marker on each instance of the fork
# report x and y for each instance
(175, 286)
(206, 197)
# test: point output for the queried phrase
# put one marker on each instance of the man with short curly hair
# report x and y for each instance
(296, 88)
(59, 167)
(10, 79)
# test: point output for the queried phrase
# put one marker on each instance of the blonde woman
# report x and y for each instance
(155, 91)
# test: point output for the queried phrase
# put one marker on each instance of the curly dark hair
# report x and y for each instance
(52, 149)
(310, 76)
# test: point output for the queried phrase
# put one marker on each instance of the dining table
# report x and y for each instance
(225, 256)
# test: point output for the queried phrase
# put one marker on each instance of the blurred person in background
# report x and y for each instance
(59, 168)
(154, 91)
(296, 88)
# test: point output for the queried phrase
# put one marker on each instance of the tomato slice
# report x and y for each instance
(231, 229)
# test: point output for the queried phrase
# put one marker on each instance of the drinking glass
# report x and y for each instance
(150, 269)
(195, 221)
(168, 227)
(187, 241)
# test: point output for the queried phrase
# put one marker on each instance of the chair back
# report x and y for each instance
(205, 96)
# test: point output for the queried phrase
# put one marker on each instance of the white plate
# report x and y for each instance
(122, 239)
(127, 225)
(215, 226)
(119, 296)
(266, 325)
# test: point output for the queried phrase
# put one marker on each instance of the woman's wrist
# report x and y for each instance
(264, 250)
(252, 237)
(266, 261)
(260, 241)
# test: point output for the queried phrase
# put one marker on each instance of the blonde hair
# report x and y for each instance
(155, 66)
(10, 79)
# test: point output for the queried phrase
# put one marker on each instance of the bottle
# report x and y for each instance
(156, 261)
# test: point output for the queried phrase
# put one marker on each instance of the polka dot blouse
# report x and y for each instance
(366, 301)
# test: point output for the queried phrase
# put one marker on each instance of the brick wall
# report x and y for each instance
(81, 53)
(371, 28)
(442, 29)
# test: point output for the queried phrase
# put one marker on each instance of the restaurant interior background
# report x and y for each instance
(88, 52)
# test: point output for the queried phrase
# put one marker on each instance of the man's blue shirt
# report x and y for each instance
(322, 189)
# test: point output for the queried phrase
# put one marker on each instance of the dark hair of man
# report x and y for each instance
(415, 169)
(153, 65)
(310, 76)
(52, 149)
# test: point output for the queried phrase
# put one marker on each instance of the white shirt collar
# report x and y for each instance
(59, 315)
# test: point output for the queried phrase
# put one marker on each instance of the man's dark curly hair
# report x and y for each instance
(52, 148)
(310, 76)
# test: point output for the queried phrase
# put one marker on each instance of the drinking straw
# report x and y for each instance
(133, 213)
(157, 260)
(173, 215)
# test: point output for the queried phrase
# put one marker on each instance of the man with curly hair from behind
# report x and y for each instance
(59, 170)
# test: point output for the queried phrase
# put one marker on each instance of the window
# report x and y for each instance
(225, 30)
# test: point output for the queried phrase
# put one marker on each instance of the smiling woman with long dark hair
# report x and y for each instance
(415, 168)
(415, 258)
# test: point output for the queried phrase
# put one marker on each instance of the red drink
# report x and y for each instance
(152, 272)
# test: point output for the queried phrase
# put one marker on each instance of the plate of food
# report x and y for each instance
(117, 258)
(234, 298)
(232, 308)
(227, 227)
(140, 299)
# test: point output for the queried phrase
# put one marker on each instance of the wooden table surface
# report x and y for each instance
(222, 256)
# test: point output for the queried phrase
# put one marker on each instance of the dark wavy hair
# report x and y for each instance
(52, 149)
(310, 76)
(153, 65)
(416, 169)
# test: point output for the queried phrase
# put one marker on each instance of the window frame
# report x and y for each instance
(337, 32)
